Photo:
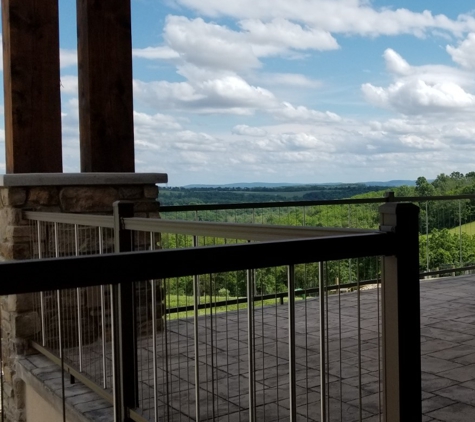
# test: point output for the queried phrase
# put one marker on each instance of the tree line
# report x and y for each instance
(442, 242)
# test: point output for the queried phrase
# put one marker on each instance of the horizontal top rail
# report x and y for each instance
(255, 232)
(277, 204)
(273, 204)
(92, 220)
(94, 270)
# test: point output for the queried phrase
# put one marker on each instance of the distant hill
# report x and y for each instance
(245, 185)
(392, 183)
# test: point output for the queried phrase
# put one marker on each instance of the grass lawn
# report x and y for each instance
(174, 301)
(468, 228)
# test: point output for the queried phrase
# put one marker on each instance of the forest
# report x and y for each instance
(447, 233)
(226, 195)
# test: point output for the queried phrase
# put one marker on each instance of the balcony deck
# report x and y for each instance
(448, 361)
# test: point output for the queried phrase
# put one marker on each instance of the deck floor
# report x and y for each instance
(448, 361)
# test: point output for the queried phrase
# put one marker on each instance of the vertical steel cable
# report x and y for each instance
(427, 235)
(250, 344)
(306, 340)
(188, 348)
(227, 338)
(211, 287)
(327, 340)
(42, 295)
(292, 366)
(103, 316)
(460, 231)
(360, 395)
(166, 356)
(196, 292)
(263, 355)
(277, 336)
(114, 357)
(61, 355)
(323, 382)
(154, 339)
(379, 340)
(339, 343)
(60, 327)
(239, 349)
(78, 295)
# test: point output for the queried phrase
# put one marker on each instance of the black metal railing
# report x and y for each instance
(445, 218)
(397, 243)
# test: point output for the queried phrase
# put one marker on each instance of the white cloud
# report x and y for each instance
(209, 45)
(229, 94)
(303, 114)
(303, 142)
(464, 54)
(306, 151)
(218, 47)
(422, 89)
(245, 130)
(155, 53)
(69, 84)
(280, 33)
(395, 63)
(68, 58)
(226, 70)
(336, 16)
(154, 123)
(289, 79)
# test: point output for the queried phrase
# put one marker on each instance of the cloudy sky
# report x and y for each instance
(294, 90)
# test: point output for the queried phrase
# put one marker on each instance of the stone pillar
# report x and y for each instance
(67, 193)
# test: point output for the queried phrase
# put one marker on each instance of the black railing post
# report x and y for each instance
(123, 316)
(401, 315)
(389, 196)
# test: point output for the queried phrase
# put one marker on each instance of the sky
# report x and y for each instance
(295, 91)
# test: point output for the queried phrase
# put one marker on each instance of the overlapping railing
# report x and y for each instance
(446, 222)
(280, 350)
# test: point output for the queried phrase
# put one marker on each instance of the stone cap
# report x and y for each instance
(81, 179)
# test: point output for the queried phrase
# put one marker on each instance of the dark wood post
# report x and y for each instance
(401, 315)
(31, 86)
(105, 86)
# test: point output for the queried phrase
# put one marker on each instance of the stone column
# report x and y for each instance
(67, 193)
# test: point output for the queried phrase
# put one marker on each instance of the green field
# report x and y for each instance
(174, 301)
(468, 228)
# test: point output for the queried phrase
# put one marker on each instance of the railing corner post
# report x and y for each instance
(389, 196)
(123, 317)
(401, 315)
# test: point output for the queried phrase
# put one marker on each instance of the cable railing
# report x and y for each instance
(446, 222)
(225, 354)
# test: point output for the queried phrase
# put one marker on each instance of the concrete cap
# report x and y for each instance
(81, 179)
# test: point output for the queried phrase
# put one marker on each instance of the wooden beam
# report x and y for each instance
(32, 86)
(105, 86)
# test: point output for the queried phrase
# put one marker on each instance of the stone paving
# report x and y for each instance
(353, 368)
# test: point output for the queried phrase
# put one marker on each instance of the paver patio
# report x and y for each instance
(353, 368)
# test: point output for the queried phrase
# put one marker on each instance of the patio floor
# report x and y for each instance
(353, 369)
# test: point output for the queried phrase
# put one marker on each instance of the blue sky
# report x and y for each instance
(293, 91)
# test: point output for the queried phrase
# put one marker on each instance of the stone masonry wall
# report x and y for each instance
(19, 321)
